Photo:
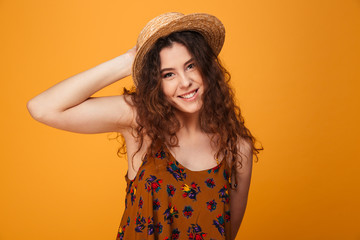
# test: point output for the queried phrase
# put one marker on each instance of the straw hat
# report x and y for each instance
(208, 25)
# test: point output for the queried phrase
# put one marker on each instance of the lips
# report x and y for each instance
(188, 95)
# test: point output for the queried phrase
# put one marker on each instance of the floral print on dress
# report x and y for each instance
(153, 183)
(215, 169)
(211, 205)
(220, 224)
(133, 194)
(176, 171)
(121, 231)
(194, 232)
(226, 175)
(154, 228)
(224, 194)
(156, 204)
(141, 174)
(160, 154)
(130, 186)
(190, 192)
(175, 234)
(132, 191)
(227, 216)
(140, 222)
(210, 182)
(151, 227)
(158, 228)
(170, 190)
(188, 211)
(170, 213)
(141, 202)
(180, 209)
(120, 234)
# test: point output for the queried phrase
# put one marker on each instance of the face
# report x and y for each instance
(182, 82)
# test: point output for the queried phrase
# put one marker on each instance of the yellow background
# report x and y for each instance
(295, 67)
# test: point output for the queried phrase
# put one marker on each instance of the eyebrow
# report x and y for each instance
(169, 69)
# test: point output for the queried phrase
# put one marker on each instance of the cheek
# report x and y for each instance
(168, 89)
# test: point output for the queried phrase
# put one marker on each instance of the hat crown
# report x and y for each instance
(163, 25)
(155, 24)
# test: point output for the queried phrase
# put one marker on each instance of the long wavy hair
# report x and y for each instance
(219, 116)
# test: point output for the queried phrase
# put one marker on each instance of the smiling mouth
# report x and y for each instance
(189, 95)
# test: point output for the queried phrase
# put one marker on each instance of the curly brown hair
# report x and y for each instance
(219, 115)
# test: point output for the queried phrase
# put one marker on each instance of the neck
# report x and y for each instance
(189, 123)
(190, 133)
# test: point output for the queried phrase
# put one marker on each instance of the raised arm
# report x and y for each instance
(68, 105)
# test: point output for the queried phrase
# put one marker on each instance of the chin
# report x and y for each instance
(184, 110)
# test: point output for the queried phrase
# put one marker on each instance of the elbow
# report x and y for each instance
(32, 108)
(36, 110)
(43, 113)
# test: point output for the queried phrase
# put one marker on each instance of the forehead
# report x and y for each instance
(175, 55)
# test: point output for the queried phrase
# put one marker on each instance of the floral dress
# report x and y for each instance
(168, 201)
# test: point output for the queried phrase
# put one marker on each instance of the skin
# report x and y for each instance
(69, 106)
(180, 76)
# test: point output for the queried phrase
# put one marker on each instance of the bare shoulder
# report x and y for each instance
(245, 147)
(245, 150)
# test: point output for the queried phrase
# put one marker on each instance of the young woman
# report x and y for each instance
(189, 152)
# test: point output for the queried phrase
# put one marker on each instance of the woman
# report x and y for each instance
(189, 153)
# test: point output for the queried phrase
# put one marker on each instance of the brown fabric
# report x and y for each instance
(167, 201)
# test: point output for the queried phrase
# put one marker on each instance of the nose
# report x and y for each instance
(185, 81)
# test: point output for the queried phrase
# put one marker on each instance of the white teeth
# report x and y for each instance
(190, 95)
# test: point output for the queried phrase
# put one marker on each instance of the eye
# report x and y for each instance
(191, 65)
(167, 75)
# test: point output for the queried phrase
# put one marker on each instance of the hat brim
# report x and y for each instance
(209, 26)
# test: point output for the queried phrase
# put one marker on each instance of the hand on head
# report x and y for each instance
(129, 57)
(132, 52)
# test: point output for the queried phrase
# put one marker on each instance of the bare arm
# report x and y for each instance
(239, 196)
(68, 105)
